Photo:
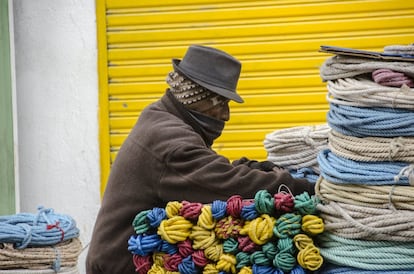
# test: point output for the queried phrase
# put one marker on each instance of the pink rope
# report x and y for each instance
(234, 206)
(284, 202)
(171, 262)
(190, 211)
(142, 263)
(387, 77)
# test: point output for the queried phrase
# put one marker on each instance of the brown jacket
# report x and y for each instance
(165, 159)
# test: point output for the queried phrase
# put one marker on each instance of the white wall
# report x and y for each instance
(57, 106)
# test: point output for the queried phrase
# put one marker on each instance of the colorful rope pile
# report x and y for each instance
(367, 172)
(45, 240)
(267, 234)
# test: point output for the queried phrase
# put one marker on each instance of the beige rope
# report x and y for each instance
(362, 92)
(297, 147)
(386, 197)
(368, 223)
(40, 257)
(63, 270)
(372, 148)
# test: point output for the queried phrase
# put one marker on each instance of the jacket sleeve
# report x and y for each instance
(194, 172)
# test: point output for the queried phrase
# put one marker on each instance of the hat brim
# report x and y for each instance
(229, 94)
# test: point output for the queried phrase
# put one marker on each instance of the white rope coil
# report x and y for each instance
(400, 49)
(363, 92)
(64, 254)
(386, 197)
(372, 148)
(297, 147)
(367, 223)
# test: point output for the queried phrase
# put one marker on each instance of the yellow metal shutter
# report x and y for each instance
(276, 41)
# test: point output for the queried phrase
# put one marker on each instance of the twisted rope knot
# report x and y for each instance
(175, 229)
(227, 263)
(260, 230)
(312, 224)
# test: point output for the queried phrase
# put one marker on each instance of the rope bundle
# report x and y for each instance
(387, 197)
(368, 223)
(340, 170)
(368, 255)
(365, 122)
(339, 67)
(64, 254)
(267, 234)
(363, 92)
(43, 228)
(369, 149)
(296, 148)
(367, 172)
(36, 241)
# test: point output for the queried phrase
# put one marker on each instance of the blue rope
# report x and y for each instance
(364, 122)
(340, 170)
(41, 229)
(305, 173)
(367, 255)
(333, 269)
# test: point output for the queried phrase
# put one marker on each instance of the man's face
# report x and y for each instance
(216, 107)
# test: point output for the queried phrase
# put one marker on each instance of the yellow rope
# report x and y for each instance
(175, 229)
(312, 224)
(210, 269)
(260, 230)
(202, 238)
(227, 263)
(214, 252)
(173, 209)
(206, 220)
(309, 256)
(246, 270)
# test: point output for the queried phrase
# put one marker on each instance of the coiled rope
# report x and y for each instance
(295, 148)
(369, 149)
(334, 269)
(368, 223)
(362, 92)
(368, 255)
(216, 238)
(338, 66)
(387, 197)
(41, 229)
(64, 254)
(340, 170)
(370, 122)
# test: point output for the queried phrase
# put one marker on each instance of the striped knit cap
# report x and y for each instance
(188, 92)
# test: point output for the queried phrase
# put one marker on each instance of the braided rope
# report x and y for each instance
(372, 148)
(64, 254)
(367, 223)
(43, 228)
(370, 122)
(362, 92)
(297, 147)
(367, 255)
(334, 269)
(340, 170)
(213, 239)
(391, 197)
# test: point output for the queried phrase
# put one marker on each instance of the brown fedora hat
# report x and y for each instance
(212, 69)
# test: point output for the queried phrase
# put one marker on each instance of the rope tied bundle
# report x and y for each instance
(363, 92)
(340, 170)
(387, 197)
(371, 122)
(38, 241)
(369, 149)
(216, 237)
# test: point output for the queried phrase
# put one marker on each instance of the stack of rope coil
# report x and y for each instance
(296, 149)
(366, 185)
(45, 241)
(267, 234)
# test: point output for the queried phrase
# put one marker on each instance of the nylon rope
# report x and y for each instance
(363, 92)
(297, 147)
(369, 149)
